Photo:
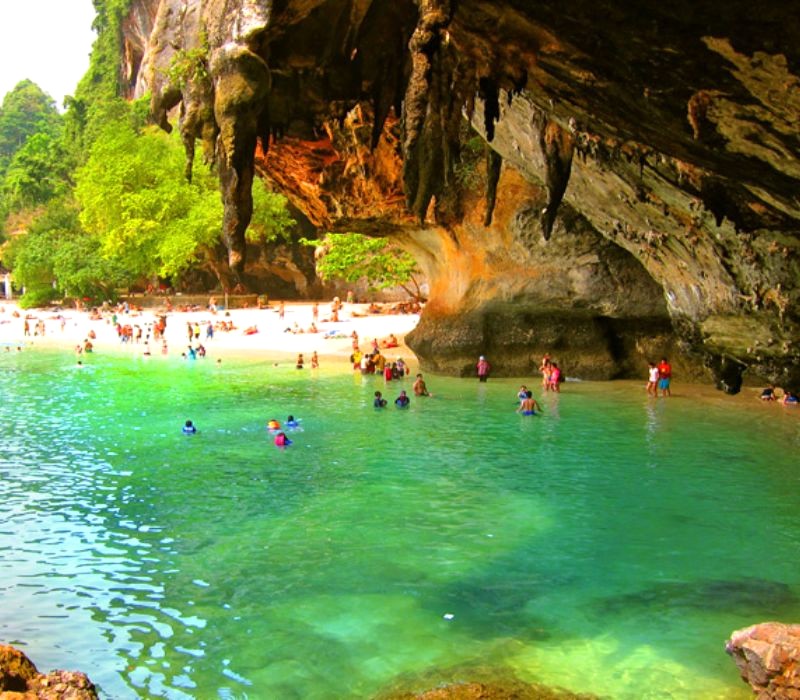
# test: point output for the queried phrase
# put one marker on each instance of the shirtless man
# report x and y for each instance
(420, 389)
(528, 406)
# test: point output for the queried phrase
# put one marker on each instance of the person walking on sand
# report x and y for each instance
(482, 368)
(281, 311)
(664, 377)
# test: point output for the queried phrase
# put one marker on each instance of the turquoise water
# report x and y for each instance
(608, 546)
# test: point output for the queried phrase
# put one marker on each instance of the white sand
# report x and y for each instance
(271, 340)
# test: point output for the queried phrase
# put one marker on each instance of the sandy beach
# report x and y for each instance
(69, 329)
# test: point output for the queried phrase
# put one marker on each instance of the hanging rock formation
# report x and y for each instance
(664, 133)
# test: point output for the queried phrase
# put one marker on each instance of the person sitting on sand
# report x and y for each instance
(391, 341)
(252, 330)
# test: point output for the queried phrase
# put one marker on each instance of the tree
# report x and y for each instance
(37, 173)
(26, 110)
(56, 257)
(146, 216)
(353, 257)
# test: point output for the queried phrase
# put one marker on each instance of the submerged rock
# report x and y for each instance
(768, 658)
(511, 690)
(20, 680)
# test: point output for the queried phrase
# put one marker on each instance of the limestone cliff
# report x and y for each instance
(640, 184)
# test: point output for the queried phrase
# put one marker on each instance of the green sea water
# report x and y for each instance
(608, 546)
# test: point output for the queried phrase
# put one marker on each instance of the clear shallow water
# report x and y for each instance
(609, 546)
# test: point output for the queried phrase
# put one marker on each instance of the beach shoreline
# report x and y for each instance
(272, 342)
(275, 338)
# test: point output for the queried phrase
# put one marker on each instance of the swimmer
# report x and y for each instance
(420, 388)
(291, 422)
(402, 401)
(282, 441)
(528, 406)
(273, 425)
(189, 428)
(379, 401)
(768, 394)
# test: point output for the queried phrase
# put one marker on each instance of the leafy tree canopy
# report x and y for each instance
(353, 257)
(147, 216)
(56, 257)
(26, 110)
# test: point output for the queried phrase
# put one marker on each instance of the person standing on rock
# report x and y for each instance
(483, 368)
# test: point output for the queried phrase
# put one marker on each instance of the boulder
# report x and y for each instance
(768, 658)
(20, 680)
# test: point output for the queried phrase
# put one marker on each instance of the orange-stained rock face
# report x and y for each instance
(669, 132)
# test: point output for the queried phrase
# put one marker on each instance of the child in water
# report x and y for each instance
(281, 440)
(291, 422)
(189, 428)
(379, 401)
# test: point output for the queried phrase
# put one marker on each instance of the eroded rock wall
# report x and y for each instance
(659, 139)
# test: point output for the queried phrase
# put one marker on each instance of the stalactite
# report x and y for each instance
(494, 162)
(421, 107)
(490, 94)
(557, 146)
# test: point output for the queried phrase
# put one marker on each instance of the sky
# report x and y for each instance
(46, 41)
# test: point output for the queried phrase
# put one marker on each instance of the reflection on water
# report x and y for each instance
(606, 546)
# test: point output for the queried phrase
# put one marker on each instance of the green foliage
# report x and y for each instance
(188, 65)
(38, 297)
(37, 173)
(57, 258)
(139, 207)
(26, 110)
(352, 257)
(271, 219)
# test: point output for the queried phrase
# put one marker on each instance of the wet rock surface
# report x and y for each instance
(20, 680)
(768, 658)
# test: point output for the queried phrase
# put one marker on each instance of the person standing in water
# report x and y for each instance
(483, 367)
(420, 388)
(664, 377)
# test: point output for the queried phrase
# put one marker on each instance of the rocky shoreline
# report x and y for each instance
(20, 680)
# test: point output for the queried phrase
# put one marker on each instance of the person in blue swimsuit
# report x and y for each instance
(528, 406)
(189, 428)
(402, 401)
